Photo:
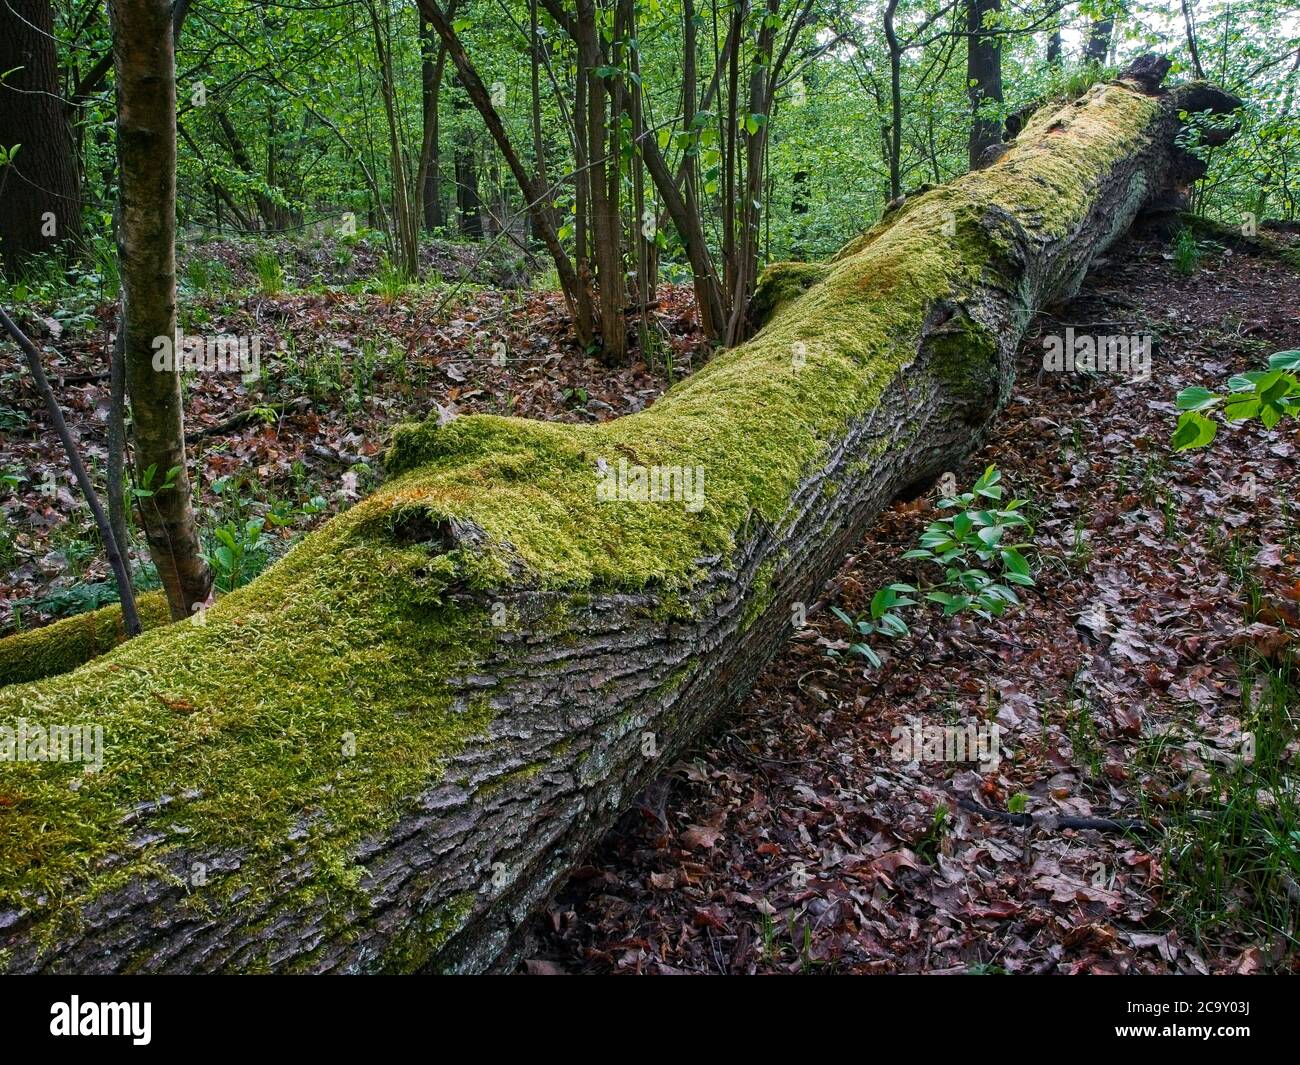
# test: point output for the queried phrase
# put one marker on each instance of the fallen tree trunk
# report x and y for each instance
(388, 751)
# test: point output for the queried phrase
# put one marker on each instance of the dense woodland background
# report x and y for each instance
(637, 133)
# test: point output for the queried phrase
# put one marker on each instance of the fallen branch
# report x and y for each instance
(388, 751)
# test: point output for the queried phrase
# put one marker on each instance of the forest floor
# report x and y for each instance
(340, 364)
(792, 840)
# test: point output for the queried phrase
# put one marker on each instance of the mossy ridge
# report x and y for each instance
(64, 645)
(227, 721)
(780, 285)
(411, 950)
(231, 713)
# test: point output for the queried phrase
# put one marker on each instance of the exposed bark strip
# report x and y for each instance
(606, 624)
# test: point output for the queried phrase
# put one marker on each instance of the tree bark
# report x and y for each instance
(1098, 42)
(514, 659)
(146, 137)
(983, 76)
(433, 60)
(40, 203)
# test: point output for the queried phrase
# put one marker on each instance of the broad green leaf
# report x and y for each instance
(1197, 399)
(1193, 430)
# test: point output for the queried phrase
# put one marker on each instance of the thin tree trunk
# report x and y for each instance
(983, 76)
(433, 62)
(146, 124)
(406, 218)
(1098, 42)
(112, 545)
(603, 164)
(895, 138)
(1189, 27)
(534, 196)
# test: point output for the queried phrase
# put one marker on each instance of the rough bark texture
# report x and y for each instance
(493, 644)
(146, 146)
(983, 75)
(40, 202)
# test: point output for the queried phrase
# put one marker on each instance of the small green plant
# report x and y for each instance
(1187, 252)
(1086, 742)
(12, 420)
(198, 275)
(1231, 862)
(930, 844)
(240, 552)
(8, 552)
(145, 488)
(391, 281)
(966, 545)
(270, 274)
(11, 477)
(1269, 395)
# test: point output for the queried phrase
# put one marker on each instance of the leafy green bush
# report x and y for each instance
(974, 548)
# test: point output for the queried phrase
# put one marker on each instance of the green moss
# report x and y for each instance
(67, 644)
(780, 285)
(965, 357)
(673, 606)
(760, 595)
(312, 702)
(523, 773)
(677, 678)
(415, 946)
(241, 723)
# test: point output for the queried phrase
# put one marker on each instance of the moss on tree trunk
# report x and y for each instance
(389, 750)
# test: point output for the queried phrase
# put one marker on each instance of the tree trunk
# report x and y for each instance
(469, 206)
(40, 202)
(535, 197)
(146, 138)
(433, 59)
(602, 154)
(388, 751)
(894, 134)
(1098, 42)
(983, 76)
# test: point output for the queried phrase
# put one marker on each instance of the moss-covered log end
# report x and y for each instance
(64, 645)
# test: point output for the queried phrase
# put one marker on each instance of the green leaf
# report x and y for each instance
(1197, 399)
(893, 625)
(1284, 360)
(1193, 430)
(866, 652)
(1017, 566)
(1243, 410)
